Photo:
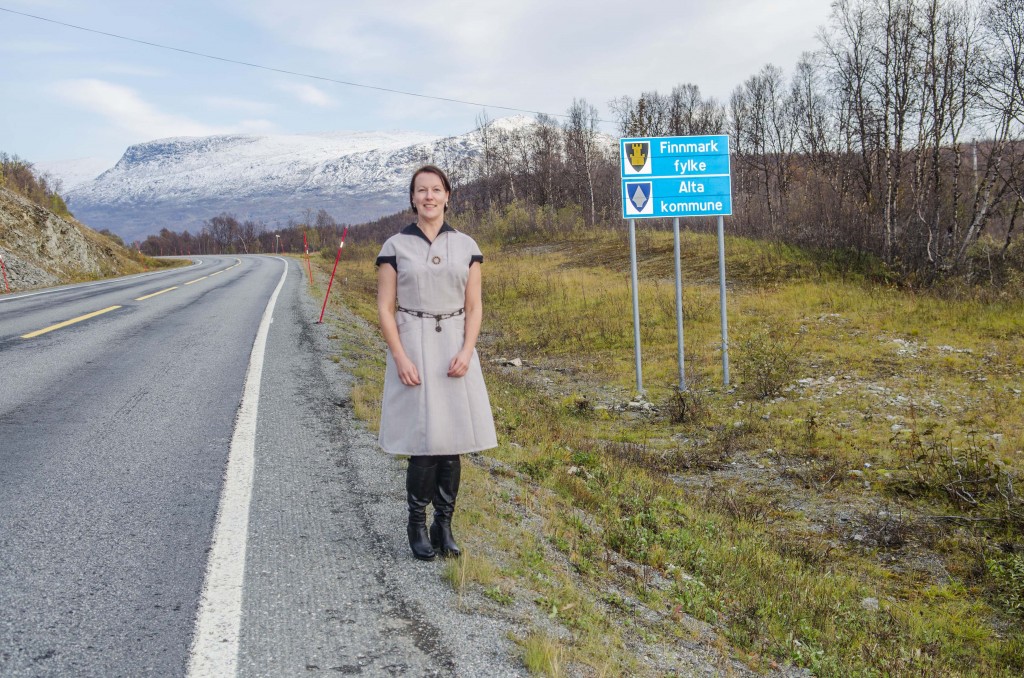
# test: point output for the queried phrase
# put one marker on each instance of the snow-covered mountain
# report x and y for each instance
(181, 182)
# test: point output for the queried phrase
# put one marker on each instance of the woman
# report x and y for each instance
(435, 404)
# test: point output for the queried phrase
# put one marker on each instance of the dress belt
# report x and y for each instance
(438, 317)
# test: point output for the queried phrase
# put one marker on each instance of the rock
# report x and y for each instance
(855, 473)
(516, 362)
(870, 604)
(41, 249)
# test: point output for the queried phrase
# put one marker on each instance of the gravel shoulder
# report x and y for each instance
(330, 584)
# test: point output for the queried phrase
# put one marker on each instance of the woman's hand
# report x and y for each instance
(407, 371)
(459, 365)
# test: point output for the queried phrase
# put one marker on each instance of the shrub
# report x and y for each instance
(765, 361)
(1007, 573)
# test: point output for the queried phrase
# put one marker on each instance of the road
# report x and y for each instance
(119, 411)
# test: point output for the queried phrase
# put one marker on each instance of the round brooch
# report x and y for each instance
(436, 260)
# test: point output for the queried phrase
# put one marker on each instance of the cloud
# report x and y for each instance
(538, 54)
(125, 110)
(308, 94)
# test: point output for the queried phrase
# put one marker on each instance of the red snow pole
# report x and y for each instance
(3, 267)
(343, 234)
(305, 246)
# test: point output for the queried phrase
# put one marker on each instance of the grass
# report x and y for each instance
(848, 505)
(543, 655)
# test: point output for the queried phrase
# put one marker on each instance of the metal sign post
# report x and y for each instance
(636, 306)
(679, 302)
(721, 292)
(676, 177)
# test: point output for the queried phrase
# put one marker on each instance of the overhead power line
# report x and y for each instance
(281, 70)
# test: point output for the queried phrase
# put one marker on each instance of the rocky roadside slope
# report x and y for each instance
(41, 249)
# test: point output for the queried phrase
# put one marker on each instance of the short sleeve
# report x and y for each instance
(475, 255)
(388, 255)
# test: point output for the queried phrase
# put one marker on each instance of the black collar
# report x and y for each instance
(413, 229)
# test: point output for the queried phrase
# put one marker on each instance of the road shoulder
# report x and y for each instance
(330, 584)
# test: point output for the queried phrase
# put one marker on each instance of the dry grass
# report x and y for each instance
(877, 463)
(543, 655)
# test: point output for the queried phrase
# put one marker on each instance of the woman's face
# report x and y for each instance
(429, 196)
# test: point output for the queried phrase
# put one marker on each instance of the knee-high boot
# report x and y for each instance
(420, 485)
(449, 472)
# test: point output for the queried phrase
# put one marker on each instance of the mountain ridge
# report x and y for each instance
(180, 182)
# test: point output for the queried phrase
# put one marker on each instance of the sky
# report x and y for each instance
(68, 94)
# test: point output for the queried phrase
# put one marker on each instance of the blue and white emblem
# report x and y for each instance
(638, 198)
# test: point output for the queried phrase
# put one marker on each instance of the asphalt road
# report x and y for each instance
(115, 433)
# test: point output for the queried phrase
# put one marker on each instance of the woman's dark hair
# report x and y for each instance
(431, 169)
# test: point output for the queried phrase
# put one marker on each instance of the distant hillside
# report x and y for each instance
(41, 249)
(179, 183)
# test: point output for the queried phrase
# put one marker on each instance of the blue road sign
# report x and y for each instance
(675, 176)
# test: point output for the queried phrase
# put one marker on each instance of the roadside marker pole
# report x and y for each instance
(305, 246)
(3, 267)
(331, 282)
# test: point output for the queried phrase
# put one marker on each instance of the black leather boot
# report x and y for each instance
(449, 472)
(420, 483)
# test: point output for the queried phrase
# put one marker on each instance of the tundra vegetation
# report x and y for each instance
(851, 503)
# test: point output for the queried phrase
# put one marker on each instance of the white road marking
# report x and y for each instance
(218, 622)
(25, 295)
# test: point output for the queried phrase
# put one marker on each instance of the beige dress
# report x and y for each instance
(443, 415)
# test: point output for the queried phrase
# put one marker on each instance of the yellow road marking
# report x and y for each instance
(79, 319)
(197, 280)
(150, 296)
